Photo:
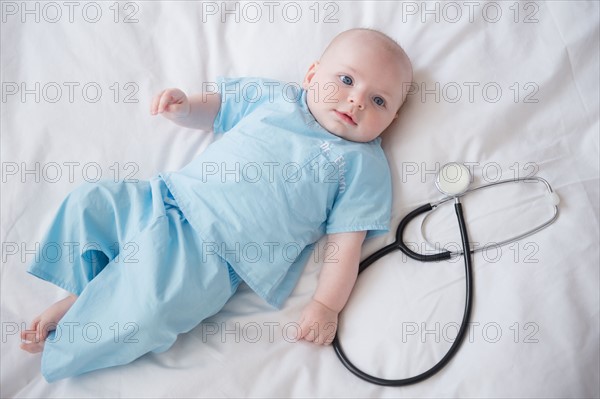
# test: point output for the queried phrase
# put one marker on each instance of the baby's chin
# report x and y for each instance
(335, 129)
(349, 136)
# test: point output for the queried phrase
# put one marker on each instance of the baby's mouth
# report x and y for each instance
(345, 117)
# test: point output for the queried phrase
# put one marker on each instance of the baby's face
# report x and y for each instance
(356, 89)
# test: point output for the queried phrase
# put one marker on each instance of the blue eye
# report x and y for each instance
(379, 101)
(347, 80)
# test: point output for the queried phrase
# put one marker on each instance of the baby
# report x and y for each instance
(294, 164)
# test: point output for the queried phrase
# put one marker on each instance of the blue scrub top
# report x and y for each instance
(262, 194)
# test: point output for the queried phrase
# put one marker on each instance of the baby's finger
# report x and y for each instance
(155, 102)
(329, 333)
(174, 108)
(303, 330)
(313, 336)
(30, 335)
(43, 331)
(32, 347)
(325, 338)
(310, 333)
(170, 96)
(34, 323)
(320, 338)
(165, 99)
(25, 334)
(329, 339)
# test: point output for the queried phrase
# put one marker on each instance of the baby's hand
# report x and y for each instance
(172, 103)
(318, 323)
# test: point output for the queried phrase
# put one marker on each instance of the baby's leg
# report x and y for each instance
(90, 229)
(40, 326)
(87, 229)
(140, 305)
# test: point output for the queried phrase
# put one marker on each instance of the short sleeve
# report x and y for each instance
(364, 200)
(239, 97)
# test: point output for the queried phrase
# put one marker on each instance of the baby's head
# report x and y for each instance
(357, 87)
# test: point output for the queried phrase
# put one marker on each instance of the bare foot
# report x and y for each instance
(34, 338)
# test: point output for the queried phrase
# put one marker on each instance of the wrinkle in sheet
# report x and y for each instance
(571, 69)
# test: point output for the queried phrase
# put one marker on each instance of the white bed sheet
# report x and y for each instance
(511, 87)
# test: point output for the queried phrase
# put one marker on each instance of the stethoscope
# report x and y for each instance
(453, 181)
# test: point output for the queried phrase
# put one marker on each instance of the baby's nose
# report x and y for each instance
(357, 101)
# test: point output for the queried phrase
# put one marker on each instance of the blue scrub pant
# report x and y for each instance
(139, 270)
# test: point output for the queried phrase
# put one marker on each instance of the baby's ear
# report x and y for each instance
(312, 69)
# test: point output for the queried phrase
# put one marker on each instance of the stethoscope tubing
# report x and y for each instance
(399, 245)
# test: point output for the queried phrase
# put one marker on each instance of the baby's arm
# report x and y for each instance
(318, 322)
(197, 111)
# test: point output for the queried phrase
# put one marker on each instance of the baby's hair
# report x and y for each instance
(388, 44)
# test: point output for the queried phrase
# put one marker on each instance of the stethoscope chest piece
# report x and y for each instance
(453, 179)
